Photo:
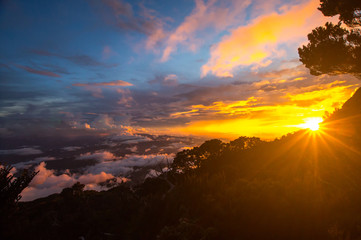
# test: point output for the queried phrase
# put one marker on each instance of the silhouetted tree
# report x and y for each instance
(11, 187)
(193, 158)
(242, 143)
(349, 10)
(212, 146)
(333, 49)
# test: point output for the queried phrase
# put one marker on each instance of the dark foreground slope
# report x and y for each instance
(306, 185)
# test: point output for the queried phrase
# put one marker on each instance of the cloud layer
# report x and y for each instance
(46, 182)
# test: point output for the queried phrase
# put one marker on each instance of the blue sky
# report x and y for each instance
(180, 67)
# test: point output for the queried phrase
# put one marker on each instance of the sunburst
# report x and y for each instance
(312, 124)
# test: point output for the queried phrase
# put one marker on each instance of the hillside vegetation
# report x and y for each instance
(305, 185)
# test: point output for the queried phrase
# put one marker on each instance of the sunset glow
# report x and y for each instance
(312, 123)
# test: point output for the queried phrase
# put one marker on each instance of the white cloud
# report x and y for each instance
(133, 149)
(126, 165)
(28, 164)
(152, 173)
(71, 148)
(131, 139)
(46, 182)
(99, 156)
(177, 145)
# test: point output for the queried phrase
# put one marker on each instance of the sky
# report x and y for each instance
(219, 69)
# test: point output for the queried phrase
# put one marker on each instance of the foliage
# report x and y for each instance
(191, 159)
(11, 187)
(349, 10)
(333, 49)
(243, 143)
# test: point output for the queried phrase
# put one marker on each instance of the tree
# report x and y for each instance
(349, 10)
(190, 159)
(333, 49)
(242, 143)
(11, 187)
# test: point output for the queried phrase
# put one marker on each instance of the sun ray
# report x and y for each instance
(311, 123)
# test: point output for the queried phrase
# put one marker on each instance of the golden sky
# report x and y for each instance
(270, 108)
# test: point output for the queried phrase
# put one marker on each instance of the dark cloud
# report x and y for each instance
(42, 52)
(39, 72)
(85, 60)
(71, 148)
(27, 164)
(56, 69)
(81, 60)
(3, 65)
(101, 84)
(125, 18)
(120, 7)
(21, 151)
(9, 94)
(170, 80)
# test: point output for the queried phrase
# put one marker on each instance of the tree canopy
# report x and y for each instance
(349, 10)
(11, 187)
(333, 49)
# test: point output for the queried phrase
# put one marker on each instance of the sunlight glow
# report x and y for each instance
(265, 114)
(312, 123)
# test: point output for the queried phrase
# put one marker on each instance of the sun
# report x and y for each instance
(312, 123)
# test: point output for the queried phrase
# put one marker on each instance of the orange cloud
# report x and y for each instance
(256, 43)
(112, 83)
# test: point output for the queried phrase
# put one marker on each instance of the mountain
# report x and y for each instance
(305, 185)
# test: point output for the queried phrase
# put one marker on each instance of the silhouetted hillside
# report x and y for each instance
(350, 108)
(305, 185)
